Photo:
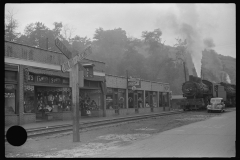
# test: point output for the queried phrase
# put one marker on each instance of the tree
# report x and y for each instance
(11, 25)
(68, 32)
(153, 39)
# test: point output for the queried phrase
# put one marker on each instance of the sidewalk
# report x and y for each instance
(81, 120)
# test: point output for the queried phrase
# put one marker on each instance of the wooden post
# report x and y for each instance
(74, 82)
(127, 90)
(144, 98)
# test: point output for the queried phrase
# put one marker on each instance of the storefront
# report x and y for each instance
(165, 99)
(46, 94)
(115, 98)
(11, 94)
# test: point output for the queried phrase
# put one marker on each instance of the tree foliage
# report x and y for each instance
(119, 52)
(11, 24)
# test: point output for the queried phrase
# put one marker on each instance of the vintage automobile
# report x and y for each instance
(216, 104)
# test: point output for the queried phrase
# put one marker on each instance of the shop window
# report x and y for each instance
(121, 98)
(28, 99)
(154, 97)
(89, 100)
(10, 99)
(53, 99)
(165, 99)
(160, 99)
(109, 98)
(140, 99)
(10, 76)
(147, 97)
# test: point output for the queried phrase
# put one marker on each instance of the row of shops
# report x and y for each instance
(37, 90)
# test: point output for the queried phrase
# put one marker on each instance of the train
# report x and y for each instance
(198, 92)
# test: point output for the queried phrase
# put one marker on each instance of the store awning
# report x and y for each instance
(61, 74)
(48, 72)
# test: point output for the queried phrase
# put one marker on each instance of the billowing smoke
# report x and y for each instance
(187, 25)
(208, 43)
(228, 78)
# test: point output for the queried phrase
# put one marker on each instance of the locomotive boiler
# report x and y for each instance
(195, 88)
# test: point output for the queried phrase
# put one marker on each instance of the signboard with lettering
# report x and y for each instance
(73, 61)
(47, 79)
(42, 79)
(30, 77)
(63, 48)
(166, 88)
(134, 82)
(55, 80)
(9, 86)
(88, 72)
(65, 81)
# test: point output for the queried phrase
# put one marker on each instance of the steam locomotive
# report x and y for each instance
(198, 93)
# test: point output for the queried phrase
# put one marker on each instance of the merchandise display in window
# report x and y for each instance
(53, 99)
(10, 99)
(89, 100)
(29, 99)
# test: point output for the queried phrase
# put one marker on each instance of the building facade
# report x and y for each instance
(37, 90)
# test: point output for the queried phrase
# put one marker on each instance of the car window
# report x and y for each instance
(215, 101)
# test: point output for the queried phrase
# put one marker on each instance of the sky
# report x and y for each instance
(211, 22)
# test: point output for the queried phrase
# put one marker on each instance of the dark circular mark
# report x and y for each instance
(16, 135)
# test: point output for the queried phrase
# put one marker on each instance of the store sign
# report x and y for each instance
(30, 77)
(73, 61)
(47, 79)
(55, 80)
(166, 88)
(9, 95)
(9, 86)
(65, 81)
(134, 82)
(63, 48)
(121, 91)
(109, 90)
(28, 88)
(42, 79)
(88, 72)
(109, 99)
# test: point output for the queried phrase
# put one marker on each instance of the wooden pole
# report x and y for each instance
(74, 79)
(127, 90)
(184, 71)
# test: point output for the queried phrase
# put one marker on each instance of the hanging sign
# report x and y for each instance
(63, 48)
(73, 61)
(134, 82)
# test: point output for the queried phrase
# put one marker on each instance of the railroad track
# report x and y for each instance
(43, 131)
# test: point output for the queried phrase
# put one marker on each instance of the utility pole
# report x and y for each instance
(127, 90)
(47, 44)
(184, 71)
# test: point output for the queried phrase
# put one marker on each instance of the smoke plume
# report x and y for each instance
(228, 78)
(186, 24)
(208, 42)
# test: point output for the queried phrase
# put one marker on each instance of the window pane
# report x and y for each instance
(28, 99)
(121, 98)
(10, 76)
(10, 99)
